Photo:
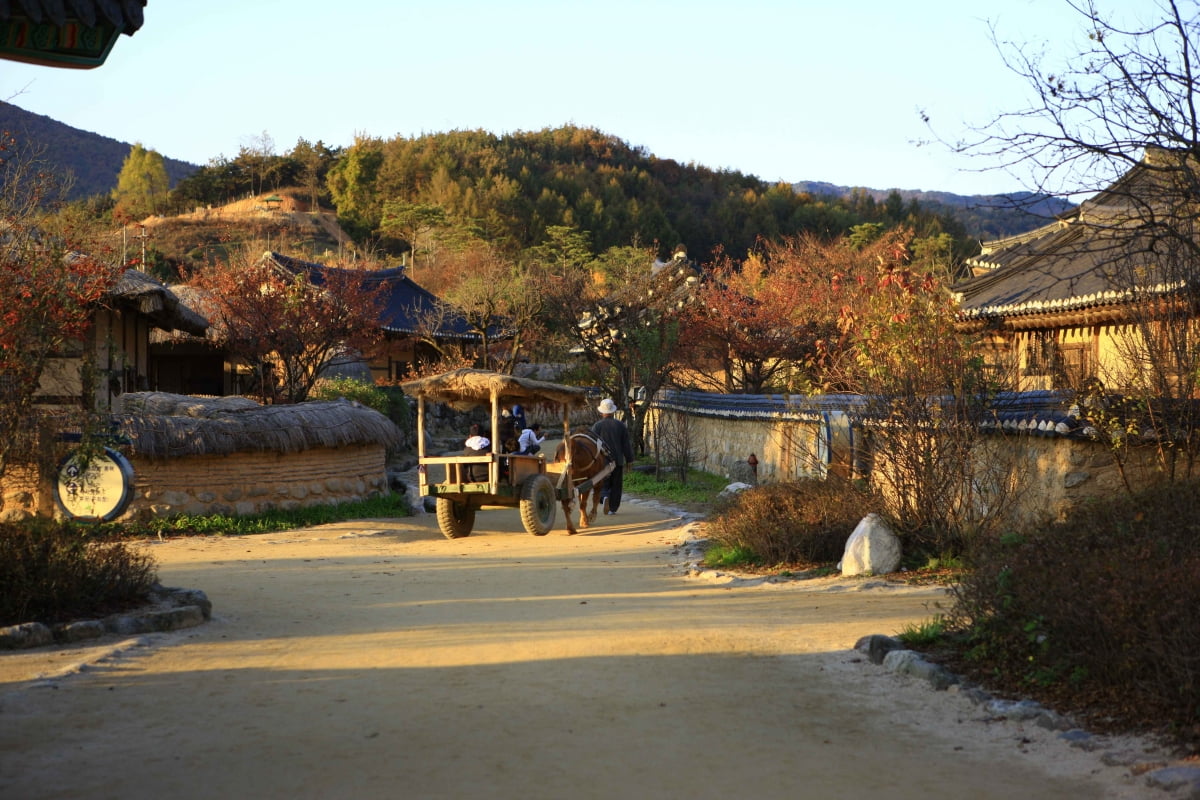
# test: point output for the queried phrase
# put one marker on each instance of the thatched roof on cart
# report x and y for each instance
(464, 389)
(162, 425)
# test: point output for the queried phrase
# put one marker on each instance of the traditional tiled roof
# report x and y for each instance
(124, 15)
(65, 33)
(406, 303)
(1089, 265)
(795, 407)
(1040, 413)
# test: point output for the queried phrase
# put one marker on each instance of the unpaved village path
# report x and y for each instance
(377, 659)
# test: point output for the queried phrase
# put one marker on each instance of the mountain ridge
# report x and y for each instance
(93, 161)
(1005, 210)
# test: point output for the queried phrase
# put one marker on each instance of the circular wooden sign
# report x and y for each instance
(97, 489)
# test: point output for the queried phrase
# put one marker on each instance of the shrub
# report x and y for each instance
(388, 400)
(806, 521)
(1103, 602)
(398, 409)
(52, 573)
(367, 394)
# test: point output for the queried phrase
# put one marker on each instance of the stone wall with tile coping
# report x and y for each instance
(1046, 475)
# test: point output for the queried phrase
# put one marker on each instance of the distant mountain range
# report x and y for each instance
(991, 216)
(94, 161)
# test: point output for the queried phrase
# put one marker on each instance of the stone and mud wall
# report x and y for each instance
(234, 484)
(250, 483)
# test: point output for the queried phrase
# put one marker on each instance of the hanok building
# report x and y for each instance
(1101, 294)
(412, 319)
(135, 308)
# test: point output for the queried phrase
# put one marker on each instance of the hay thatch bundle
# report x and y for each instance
(181, 405)
(200, 302)
(463, 389)
(149, 297)
(161, 425)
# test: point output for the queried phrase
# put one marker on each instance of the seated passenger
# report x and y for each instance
(531, 440)
(508, 436)
(477, 445)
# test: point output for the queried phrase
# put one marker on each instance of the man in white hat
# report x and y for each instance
(615, 436)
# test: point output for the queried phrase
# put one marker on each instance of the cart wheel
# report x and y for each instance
(537, 505)
(455, 519)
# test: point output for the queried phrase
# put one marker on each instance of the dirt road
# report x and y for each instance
(378, 660)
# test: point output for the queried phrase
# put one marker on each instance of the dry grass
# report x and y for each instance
(51, 573)
(803, 522)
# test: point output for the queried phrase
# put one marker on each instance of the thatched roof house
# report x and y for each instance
(131, 312)
(138, 292)
(231, 456)
(161, 425)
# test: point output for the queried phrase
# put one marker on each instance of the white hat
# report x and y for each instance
(607, 406)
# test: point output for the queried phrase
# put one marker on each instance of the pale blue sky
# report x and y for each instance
(782, 89)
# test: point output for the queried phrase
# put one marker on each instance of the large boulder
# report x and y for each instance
(872, 549)
(732, 489)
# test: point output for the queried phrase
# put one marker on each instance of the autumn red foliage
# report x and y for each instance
(293, 323)
(51, 284)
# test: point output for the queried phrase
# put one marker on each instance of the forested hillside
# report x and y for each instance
(512, 189)
(91, 160)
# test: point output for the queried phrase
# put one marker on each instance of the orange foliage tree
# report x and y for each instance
(859, 315)
(927, 395)
(895, 324)
(762, 323)
(51, 281)
(297, 323)
(810, 314)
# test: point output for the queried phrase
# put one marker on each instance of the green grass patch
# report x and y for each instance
(392, 505)
(728, 556)
(701, 487)
(925, 633)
